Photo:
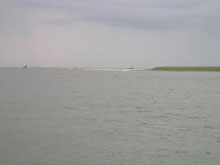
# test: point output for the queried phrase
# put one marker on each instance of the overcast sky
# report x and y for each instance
(109, 33)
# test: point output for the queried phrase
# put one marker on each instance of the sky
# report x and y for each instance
(109, 33)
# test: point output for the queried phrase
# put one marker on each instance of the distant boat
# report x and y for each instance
(24, 67)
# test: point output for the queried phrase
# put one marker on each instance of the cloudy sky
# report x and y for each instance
(109, 33)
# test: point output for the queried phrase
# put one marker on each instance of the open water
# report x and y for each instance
(71, 117)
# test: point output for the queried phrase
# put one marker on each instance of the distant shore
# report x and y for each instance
(163, 68)
(188, 68)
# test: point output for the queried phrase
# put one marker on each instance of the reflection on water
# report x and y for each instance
(60, 116)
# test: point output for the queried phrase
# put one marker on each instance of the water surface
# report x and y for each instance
(61, 116)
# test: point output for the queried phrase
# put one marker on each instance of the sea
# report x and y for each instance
(67, 116)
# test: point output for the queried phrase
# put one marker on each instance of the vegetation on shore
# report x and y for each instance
(188, 68)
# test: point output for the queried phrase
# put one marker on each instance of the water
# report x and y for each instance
(61, 116)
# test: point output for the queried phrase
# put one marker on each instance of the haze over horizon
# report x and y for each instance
(109, 33)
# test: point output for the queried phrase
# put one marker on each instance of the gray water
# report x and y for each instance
(61, 116)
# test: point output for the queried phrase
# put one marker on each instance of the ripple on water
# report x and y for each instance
(209, 127)
(69, 107)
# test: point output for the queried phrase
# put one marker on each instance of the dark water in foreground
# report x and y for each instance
(61, 116)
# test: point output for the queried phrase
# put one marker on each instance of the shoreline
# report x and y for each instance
(188, 68)
(156, 69)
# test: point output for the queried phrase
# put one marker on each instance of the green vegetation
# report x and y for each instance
(189, 68)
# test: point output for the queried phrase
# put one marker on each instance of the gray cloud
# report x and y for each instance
(150, 15)
(141, 14)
